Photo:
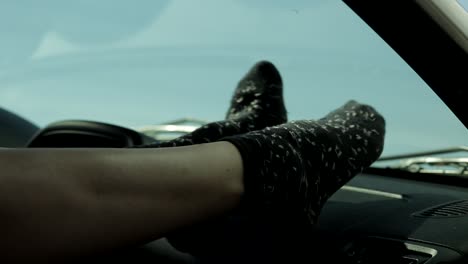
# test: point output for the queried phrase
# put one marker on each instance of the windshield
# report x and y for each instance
(140, 63)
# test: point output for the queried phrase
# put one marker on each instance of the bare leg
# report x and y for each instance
(59, 203)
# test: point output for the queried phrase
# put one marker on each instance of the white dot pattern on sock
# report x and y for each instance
(257, 103)
(299, 165)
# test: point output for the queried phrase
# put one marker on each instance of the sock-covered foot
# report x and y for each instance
(256, 104)
(297, 166)
(290, 171)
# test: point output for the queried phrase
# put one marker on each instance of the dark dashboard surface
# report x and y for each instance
(373, 219)
(385, 214)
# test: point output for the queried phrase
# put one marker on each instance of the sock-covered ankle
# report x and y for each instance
(297, 166)
(257, 103)
(290, 171)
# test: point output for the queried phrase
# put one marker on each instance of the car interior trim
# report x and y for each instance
(451, 16)
(372, 192)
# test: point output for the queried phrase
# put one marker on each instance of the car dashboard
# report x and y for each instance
(372, 219)
(378, 219)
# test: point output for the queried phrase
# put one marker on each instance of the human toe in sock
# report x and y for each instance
(290, 171)
(257, 103)
(298, 165)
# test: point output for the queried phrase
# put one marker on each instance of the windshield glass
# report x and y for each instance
(464, 3)
(140, 63)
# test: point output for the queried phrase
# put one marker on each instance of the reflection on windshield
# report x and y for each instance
(24, 26)
(156, 61)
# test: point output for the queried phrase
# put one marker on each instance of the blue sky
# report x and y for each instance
(135, 65)
(464, 3)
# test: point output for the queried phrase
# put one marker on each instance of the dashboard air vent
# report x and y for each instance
(452, 209)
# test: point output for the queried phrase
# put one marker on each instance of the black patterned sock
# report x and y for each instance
(290, 171)
(297, 166)
(256, 104)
